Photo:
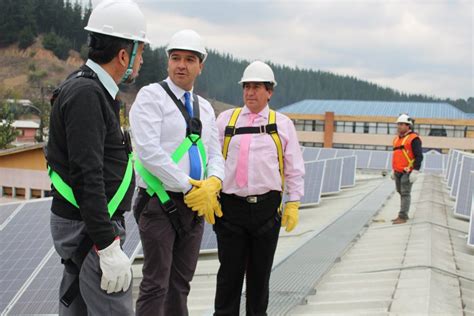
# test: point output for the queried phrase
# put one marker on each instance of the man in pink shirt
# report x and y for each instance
(263, 161)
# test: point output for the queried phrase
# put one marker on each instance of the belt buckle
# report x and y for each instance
(252, 199)
(263, 129)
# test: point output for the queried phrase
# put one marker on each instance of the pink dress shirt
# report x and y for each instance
(264, 174)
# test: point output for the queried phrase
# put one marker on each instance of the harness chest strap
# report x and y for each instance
(155, 186)
(270, 129)
(404, 151)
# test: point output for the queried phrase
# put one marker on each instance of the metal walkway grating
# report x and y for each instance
(295, 277)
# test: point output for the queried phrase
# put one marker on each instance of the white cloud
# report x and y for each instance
(418, 46)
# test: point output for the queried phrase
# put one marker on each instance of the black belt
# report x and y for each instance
(254, 199)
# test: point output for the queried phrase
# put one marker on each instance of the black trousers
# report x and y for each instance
(245, 249)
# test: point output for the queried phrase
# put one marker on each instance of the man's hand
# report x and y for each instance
(203, 198)
(290, 216)
(392, 175)
(116, 268)
(413, 176)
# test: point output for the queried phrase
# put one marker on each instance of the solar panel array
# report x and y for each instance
(30, 269)
(433, 162)
(459, 177)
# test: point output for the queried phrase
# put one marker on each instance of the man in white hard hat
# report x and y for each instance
(90, 166)
(180, 168)
(263, 161)
(406, 163)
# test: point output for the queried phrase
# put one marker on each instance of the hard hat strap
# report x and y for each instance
(129, 70)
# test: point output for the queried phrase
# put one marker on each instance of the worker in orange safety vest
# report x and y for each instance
(406, 163)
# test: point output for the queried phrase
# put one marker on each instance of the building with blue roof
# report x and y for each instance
(440, 110)
(371, 124)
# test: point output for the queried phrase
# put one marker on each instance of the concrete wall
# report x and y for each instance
(23, 182)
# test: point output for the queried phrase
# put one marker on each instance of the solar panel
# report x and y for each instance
(327, 153)
(344, 153)
(470, 237)
(332, 176)
(449, 157)
(7, 210)
(24, 242)
(452, 168)
(311, 153)
(348, 171)
(209, 240)
(462, 206)
(33, 289)
(389, 161)
(432, 163)
(313, 180)
(378, 160)
(457, 174)
(363, 157)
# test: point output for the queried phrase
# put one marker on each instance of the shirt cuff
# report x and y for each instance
(293, 198)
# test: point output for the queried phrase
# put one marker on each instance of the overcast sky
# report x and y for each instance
(415, 46)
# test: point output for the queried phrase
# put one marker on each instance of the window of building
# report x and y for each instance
(460, 131)
(382, 128)
(359, 127)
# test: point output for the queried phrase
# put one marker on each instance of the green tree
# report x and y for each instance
(7, 131)
(59, 45)
(26, 38)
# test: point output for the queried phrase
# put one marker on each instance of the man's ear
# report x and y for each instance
(123, 57)
(201, 66)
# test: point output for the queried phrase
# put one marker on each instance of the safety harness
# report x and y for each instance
(272, 130)
(404, 151)
(193, 138)
(73, 264)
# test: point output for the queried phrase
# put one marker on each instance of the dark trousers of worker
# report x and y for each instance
(245, 251)
(169, 261)
(91, 300)
(403, 185)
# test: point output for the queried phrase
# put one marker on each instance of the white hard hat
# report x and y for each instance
(405, 118)
(118, 18)
(258, 72)
(187, 40)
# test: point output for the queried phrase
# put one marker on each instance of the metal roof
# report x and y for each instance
(377, 108)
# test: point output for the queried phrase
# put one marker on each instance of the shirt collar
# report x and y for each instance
(104, 78)
(263, 113)
(177, 91)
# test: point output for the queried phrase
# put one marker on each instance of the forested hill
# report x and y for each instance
(222, 72)
(62, 22)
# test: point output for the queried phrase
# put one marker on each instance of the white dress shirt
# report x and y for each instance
(158, 128)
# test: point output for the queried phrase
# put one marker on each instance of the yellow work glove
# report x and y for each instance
(203, 198)
(290, 216)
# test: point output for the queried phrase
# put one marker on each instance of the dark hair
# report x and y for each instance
(268, 85)
(104, 48)
(198, 54)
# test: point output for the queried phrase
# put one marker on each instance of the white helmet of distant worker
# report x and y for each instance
(118, 18)
(258, 71)
(405, 118)
(187, 40)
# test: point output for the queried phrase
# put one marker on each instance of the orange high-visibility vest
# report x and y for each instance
(403, 156)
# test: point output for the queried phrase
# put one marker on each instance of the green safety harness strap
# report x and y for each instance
(155, 186)
(66, 191)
